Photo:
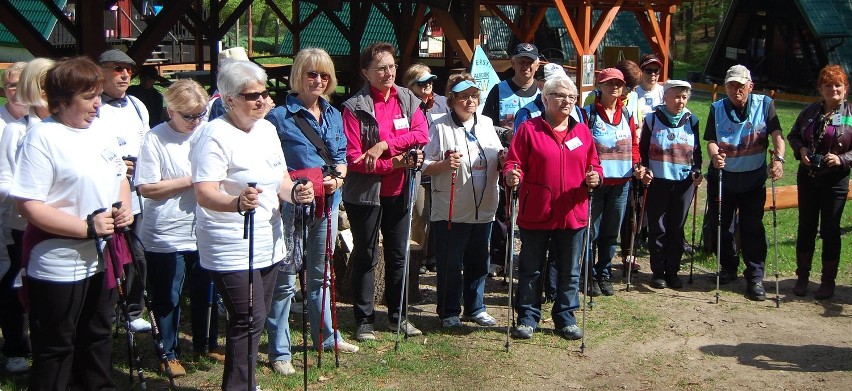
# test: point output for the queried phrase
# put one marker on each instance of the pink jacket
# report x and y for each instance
(553, 167)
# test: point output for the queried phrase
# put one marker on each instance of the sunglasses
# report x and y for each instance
(193, 117)
(314, 75)
(651, 71)
(424, 83)
(253, 96)
(120, 68)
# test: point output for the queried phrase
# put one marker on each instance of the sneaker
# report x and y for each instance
(755, 292)
(594, 289)
(423, 270)
(217, 354)
(801, 288)
(283, 367)
(17, 365)
(572, 332)
(451, 322)
(407, 328)
(365, 333)
(140, 325)
(343, 347)
(523, 332)
(674, 282)
(174, 368)
(495, 270)
(605, 286)
(687, 249)
(482, 319)
(658, 281)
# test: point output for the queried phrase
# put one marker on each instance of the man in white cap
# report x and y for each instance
(738, 131)
(503, 102)
(535, 108)
(128, 117)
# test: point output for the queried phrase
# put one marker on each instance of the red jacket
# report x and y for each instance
(553, 194)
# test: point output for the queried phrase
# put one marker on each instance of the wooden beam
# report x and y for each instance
(648, 30)
(516, 31)
(90, 18)
(535, 23)
(198, 22)
(411, 39)
(655, 29)
(603, 24)
(569, 25)
(157, 29)
(454, 36)
(24, 31)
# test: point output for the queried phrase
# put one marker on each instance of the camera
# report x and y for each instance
(816, 160)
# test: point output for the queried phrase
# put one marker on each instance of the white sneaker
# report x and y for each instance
(140, 325)
(405, 327)
(343, 347)
(283, 367)
(17, 365)
(483, 319)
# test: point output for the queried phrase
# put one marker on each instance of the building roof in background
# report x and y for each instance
(830, 21)
(38, 14)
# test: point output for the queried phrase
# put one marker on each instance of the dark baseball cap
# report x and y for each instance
(526, 50)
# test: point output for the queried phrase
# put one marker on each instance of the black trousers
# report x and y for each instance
(13, 320)
(667, 207)
(234, 288)
(821, 202)
(70, 326)
(391, 217)
(748, 205)
(135, 283)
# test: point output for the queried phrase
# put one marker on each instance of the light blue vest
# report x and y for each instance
(613, 142)
(743, 142)
(510, 104)
(671, 150)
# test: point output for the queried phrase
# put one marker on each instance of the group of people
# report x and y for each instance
(238, 206)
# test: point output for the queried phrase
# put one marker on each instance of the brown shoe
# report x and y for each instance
(175, 368)
(217, 355)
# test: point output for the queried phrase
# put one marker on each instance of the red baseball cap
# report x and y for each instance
(610, 74)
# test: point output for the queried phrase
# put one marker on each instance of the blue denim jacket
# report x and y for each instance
(298, 150)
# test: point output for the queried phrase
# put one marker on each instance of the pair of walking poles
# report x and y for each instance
(133, 356)
(411, 173)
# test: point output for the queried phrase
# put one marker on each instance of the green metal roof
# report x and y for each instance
(322, 33)
(828, 19)
(35, 12)
(624, 31)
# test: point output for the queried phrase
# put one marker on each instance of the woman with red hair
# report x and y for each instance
(821, 140)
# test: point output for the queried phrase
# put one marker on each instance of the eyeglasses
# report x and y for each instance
(253, 96)
(193, 117)
(120, 68)
(314, 75)
(385, 69)
(467, 97)
(424, 83)
(11, 86)
(651, 71)
(562, 97)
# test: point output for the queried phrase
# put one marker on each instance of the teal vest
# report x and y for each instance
(744, 142)
(613, 142)
(671, 150)
(510, 104)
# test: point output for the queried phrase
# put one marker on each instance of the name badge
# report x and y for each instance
(400, 123)
(573, 143)
(274, 161)
(836, 120)
(109, 155)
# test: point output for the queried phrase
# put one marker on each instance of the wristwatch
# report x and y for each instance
(778, 158)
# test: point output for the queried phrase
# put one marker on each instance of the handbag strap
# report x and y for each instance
(314, 137)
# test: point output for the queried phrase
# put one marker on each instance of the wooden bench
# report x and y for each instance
(788, 197)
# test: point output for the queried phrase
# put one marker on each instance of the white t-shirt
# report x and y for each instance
(649, 99)
(129, 125)
(10, 144)
(76, 171)
(6, 118)
(168, 225)
(222, 153)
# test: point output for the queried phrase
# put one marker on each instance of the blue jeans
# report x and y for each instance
(277, 323)
(464, 247)
(167, 273)
(608, 204)
(531, 262)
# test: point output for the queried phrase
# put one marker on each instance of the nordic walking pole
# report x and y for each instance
(586, 244)
(452, 192)
(412, 154)
(638, 227)
(248, 233)
(444, 271)
(719, 237)
(775, 235)
(156, 335)
(510, 252)
(332, 172)
(306, 210)
(209, 315)
(694, 218)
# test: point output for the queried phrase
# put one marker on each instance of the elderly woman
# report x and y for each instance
(382, 123)
(236, 149)
(164, 178)
(308, 115)
(614, 133)
(462, 157)
(553, 205)
(671, 149)
(68, 169)
(821, 139)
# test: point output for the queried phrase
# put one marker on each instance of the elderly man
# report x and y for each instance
(536, 107)
(737, 132)
(127, 116)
